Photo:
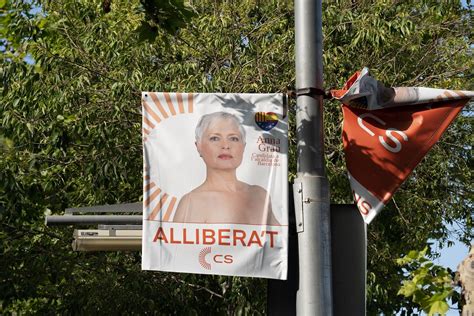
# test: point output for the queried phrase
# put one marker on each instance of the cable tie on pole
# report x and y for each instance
(309, 91)
(291, 94)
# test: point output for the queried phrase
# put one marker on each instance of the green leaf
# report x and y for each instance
(413, 254)
(146, 32)
(438, 307)
(407, 289)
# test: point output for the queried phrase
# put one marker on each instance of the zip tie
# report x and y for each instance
(309, 91)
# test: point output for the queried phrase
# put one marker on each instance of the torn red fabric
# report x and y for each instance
(382, 147)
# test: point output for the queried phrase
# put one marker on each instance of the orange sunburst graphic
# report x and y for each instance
(164, 206)
(161, 106)
(158, 107)
(202, 258)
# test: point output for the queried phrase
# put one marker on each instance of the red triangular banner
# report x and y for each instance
(383, 146)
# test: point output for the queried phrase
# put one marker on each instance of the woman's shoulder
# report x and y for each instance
(196, 192)
(256, 189)
(197, 195)
(187, 206)
(190, 196)
(186, 197)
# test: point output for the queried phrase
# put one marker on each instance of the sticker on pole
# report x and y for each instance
(215, 184)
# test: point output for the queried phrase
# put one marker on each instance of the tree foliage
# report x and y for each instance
(72, 73)
(429, 285)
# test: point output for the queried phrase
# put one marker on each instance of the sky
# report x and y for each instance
(451, 257)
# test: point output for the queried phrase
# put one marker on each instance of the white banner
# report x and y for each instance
(215, 184)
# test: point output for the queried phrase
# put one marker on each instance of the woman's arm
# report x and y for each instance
(271, 219)
(182, 210)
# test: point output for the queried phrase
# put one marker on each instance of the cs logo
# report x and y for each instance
(218, 258)
(389, 133)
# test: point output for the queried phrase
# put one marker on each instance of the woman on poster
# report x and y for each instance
(222, 197)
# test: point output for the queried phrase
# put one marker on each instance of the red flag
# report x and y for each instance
(382, 147)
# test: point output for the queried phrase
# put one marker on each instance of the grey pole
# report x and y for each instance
(93, 219)
(311, 188)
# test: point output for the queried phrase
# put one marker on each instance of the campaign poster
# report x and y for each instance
(215, 190)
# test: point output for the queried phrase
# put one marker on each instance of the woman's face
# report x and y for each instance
(221, 145)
